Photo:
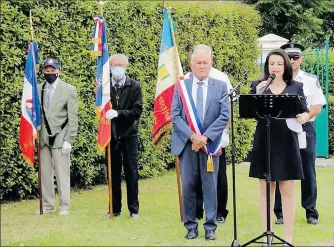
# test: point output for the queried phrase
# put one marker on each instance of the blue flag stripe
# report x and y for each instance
(166, 39)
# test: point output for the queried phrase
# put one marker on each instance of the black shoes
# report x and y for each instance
(311, 220)
(279, 221)
(220, 219)
(210, 235)
(192, 234)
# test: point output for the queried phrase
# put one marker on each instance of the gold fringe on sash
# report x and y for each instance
(209, 164)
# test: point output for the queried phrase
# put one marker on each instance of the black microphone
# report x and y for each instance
(269, 81)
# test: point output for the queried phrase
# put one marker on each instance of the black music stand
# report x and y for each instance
(233, 96)
(267, 107)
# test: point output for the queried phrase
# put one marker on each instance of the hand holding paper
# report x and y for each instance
(303, 117)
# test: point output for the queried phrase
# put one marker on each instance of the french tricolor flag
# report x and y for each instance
(30, 106)
(102, 97)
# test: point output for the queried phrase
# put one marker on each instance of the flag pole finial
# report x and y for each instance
(31, 27)
(101, 3)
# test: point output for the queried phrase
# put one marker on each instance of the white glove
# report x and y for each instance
(303, 117)
(225, 139)
(66, 149)
(111, 114)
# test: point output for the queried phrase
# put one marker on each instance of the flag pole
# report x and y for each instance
(31, 27)
(179, 190)
(101, 3)
(177, 160)
(38, 134)
(39, 174)
(109, 180)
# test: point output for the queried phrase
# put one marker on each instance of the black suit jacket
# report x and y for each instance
(129, 105)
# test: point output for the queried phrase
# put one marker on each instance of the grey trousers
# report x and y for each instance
(192, 165)
(53, 159)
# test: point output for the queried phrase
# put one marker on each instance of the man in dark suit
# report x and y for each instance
(222, 185)
(126, 99)
(200, 112)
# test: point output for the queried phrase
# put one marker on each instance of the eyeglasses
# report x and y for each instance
(294, 57)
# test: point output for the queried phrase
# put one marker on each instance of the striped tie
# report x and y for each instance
(199, 101)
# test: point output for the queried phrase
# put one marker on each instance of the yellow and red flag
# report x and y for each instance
(169, 72)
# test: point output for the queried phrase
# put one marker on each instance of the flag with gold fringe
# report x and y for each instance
(169, 72)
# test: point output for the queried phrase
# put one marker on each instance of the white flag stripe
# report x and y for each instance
(170, 61)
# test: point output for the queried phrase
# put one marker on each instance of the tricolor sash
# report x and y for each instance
(212, 149)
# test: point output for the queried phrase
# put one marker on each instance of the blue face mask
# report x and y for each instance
(117, 73)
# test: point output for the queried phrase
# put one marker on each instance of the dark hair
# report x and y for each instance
(287, 75)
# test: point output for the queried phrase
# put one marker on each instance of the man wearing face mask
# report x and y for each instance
(59, 128)
(126, 99)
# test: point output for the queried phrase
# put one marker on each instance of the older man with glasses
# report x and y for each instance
(315, 100)
(127, 104)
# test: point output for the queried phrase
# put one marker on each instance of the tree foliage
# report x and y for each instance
(307, 21)
(63, 30)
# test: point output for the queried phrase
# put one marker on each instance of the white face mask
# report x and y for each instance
(117, 73)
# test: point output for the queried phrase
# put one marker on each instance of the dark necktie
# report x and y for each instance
(118, 87)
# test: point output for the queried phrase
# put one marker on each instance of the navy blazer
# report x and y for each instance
(216, 116)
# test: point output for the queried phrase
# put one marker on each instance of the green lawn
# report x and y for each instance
(160, 222)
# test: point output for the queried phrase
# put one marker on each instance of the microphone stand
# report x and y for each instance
(235, 242)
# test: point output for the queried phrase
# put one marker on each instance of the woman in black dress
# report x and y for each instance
(285, 159)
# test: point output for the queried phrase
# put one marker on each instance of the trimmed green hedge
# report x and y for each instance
(63, 30)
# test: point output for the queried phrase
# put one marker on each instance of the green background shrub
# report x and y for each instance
(63, 30)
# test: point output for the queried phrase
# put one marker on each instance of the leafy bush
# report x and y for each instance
(63, 30)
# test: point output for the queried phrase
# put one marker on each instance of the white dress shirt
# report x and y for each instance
(312, 89)
(54, 86)
(221, 76)
(121, 82)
